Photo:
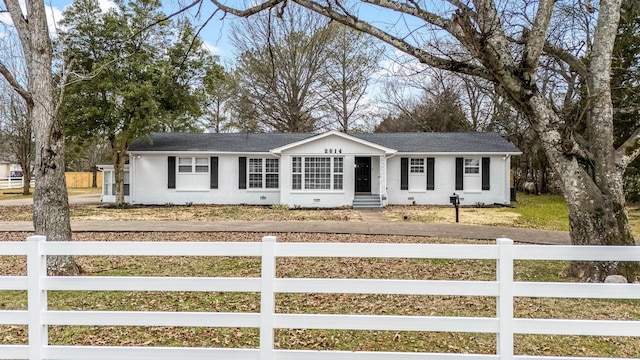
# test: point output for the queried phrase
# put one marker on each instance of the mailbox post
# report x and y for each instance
(455, 201)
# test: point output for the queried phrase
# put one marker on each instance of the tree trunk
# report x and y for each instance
(26, 179)
(598, 217)
(593, 193)
(119, 158)
(50, 201)
(94, 176)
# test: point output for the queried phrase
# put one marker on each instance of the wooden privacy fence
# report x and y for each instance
(38, 317)
(82, 179)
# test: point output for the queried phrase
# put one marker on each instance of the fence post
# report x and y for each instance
(267, 300)
(36, 296)
(504, 341)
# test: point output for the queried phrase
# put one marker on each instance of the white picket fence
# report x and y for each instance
(13, 183)
(38, 317)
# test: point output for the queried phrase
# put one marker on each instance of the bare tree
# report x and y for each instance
(435, 112)
(410, 83)
(50, 201)
(221, 88)
(506, 43)
(281, 58)
(18, 135)
(352, 60)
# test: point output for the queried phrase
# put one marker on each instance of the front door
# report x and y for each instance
(363, 175)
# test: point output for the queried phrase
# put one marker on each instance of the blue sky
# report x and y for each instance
(214, 34)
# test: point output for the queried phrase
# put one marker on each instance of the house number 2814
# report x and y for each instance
(333, 151)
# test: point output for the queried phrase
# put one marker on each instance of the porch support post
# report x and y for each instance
(383, 180)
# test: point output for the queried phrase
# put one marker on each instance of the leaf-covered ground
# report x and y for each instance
(547, 212)
(316, 303)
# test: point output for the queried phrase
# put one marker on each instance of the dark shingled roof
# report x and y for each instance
(216, 142)
(471, 142)
(461, 142)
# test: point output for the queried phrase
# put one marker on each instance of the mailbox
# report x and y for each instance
(455, 201)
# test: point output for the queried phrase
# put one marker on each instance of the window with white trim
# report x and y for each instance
(272, 170)
(263, 173)
(202, 165)
(187, 165)
(472, 166)
(296, 170)
(255, 173)
(317, 173)
(338, 169)
(417, 166)
(417, 174)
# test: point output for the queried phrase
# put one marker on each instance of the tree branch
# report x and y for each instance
(574, 62)
(168, 17)
(20, 22)
(66, 70)
(403, 45)
(535, 39)
(460, 5)
(627, 110)
(629, 150)
(24, 93)
(248, 12)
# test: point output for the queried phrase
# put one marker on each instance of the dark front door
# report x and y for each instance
(363, 175)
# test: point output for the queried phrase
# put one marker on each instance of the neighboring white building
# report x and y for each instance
(9, 170)
(331, 169)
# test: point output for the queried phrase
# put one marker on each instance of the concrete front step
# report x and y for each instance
(367, 202)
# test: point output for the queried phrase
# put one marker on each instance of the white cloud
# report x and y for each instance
(213, 49)
(5, 18)
(106, 5)
(54, 15)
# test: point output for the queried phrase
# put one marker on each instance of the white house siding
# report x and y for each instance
(5, 169)
(330, 146)
(151, 179)
(150, 175)
(444, 181)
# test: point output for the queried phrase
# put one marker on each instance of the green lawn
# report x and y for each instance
(541, 212)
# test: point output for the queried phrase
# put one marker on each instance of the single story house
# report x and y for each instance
(331, 169)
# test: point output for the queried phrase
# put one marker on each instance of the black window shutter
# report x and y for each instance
(404, 173)
(486, 173)
(171, 176)
(213, 182)
(431, 173)
(242, 172)
(459, 173)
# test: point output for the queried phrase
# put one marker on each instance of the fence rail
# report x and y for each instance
(38, 317)
(14, 183)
